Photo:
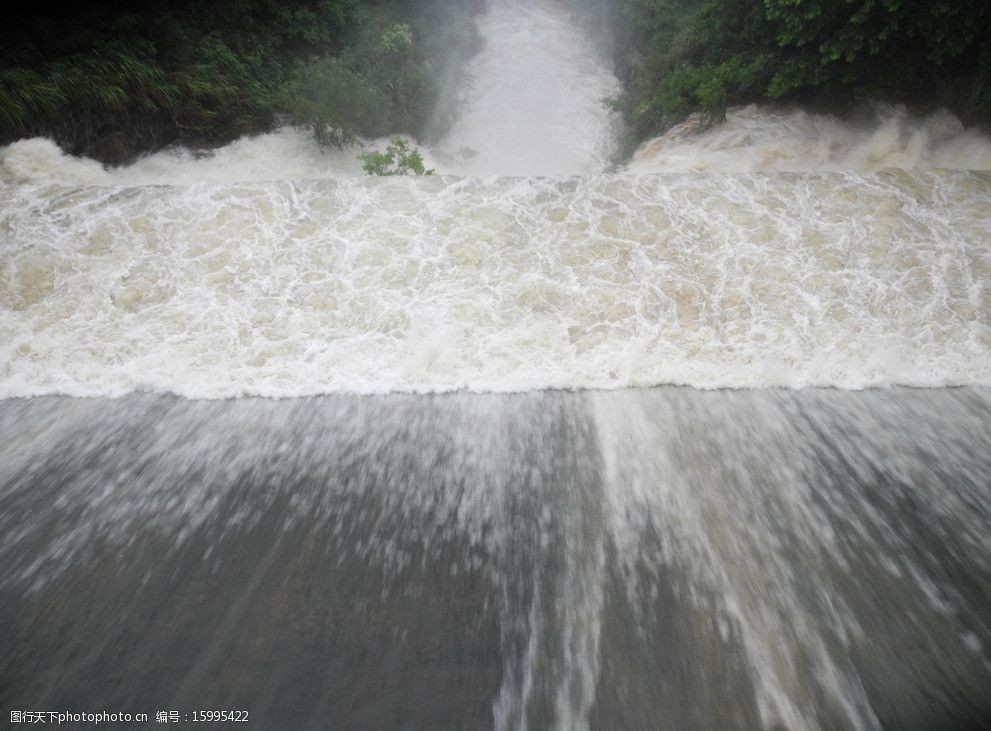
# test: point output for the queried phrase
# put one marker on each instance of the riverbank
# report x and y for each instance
(679, 58)
(131, 78)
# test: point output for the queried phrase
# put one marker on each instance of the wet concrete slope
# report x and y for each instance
(660, 559)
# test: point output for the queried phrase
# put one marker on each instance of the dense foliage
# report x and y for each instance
(380, 85)
(679, 56)
(113, 79)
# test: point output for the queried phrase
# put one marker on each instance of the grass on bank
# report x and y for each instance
(116, 79)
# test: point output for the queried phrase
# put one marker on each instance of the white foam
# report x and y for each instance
(285, 153)
(39, 161)
(286, 289)
(761, 139)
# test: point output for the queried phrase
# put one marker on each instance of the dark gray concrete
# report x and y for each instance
(664, 559)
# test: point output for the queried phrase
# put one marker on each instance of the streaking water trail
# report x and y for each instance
(667, 559)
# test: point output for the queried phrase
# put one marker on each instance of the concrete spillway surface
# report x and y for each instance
(666, 558)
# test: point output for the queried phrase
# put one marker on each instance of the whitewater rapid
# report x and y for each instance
(299, 288)
(780, 248)
(757, 138)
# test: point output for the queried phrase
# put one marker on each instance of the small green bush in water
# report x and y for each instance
(399, 158)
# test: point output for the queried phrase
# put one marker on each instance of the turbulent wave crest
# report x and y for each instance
(285, 289)
(754, 138)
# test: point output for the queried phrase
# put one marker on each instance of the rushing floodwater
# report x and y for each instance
(675, 557)
(294, 288)
(729, 258)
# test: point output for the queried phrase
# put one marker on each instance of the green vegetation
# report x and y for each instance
(380, 86)
(118, 78)
(115, 79)
(681, 56)
(399, 158)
